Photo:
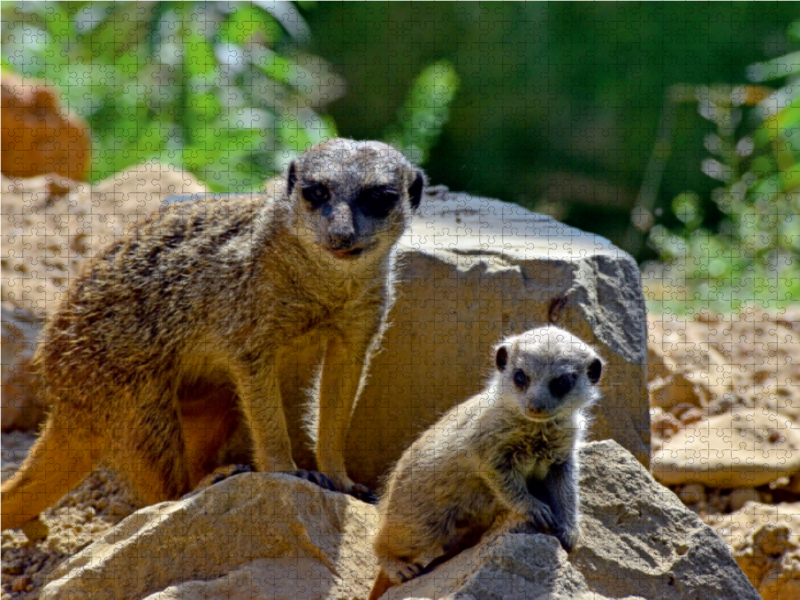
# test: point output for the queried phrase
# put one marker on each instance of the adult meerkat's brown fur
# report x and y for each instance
(512, 448)
(212, 291)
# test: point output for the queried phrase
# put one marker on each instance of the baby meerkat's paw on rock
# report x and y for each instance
(568, 538)
(540, 515)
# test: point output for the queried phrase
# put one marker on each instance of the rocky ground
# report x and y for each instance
(724, 393)
(725, 402)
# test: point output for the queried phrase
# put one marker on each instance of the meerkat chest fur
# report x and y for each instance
(512, 442)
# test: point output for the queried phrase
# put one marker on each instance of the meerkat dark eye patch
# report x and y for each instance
(562, 385)
(594, 371)
(520, 379)
(415, 191)
(316, 194)
(501, 359)
(291, 179)
(377, 202)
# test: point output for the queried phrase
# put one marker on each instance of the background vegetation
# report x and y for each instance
(671, 129)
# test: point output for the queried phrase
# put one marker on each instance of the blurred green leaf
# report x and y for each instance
(200, 85)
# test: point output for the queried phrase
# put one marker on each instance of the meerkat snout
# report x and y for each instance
(354, 212)
(547, 386)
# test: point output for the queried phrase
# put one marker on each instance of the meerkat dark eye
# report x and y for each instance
(316, 194)
(594, 371)
(377, 202)
(520, 379)
(561, 386)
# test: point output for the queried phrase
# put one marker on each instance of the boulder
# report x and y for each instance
(275, 536)
(471, 271)
(742, 448)
(271, 536)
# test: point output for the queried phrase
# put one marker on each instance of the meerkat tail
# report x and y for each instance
(58, 461)
(380, 586)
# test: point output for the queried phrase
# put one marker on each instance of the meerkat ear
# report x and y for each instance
(292, 178)
(501, 358)
(415, 191)
(594, 371)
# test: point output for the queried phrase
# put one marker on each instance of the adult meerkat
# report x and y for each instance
(214, 291)
(512, 447)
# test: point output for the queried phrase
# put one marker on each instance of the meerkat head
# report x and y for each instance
(352, 200)
(548, 372)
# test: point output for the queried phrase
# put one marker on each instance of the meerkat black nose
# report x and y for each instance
(562, 385)
(342, 239)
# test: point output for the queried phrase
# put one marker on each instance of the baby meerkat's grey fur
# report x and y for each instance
(213, 292)
(512, 447)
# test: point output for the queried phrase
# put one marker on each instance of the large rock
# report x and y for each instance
(274, 536)
(473, 270)
(270, 536)
(742, 448)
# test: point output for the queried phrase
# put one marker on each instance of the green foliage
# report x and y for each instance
(217, 88)
(424, 112)
(754, 257)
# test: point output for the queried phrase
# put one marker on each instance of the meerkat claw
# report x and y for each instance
(323, 481)
(363, 493)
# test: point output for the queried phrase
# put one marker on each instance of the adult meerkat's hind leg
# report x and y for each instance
(150, 451)
(60, 458)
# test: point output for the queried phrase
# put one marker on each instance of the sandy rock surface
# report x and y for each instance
(765, 541)
(22, 407)
(276, 536)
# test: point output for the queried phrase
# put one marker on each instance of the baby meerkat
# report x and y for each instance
(213, 292)
(512, 448)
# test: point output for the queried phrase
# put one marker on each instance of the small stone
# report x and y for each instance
(665, 425)
(673, 391)
(21, 584)
(773, 540)
(693, 415)
(692, 493)
(739, 497)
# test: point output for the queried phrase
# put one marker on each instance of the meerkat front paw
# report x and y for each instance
(401, 571)
(540, 515)
(358, 491)
(363, 493)
(568, 537)
(317, 478)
